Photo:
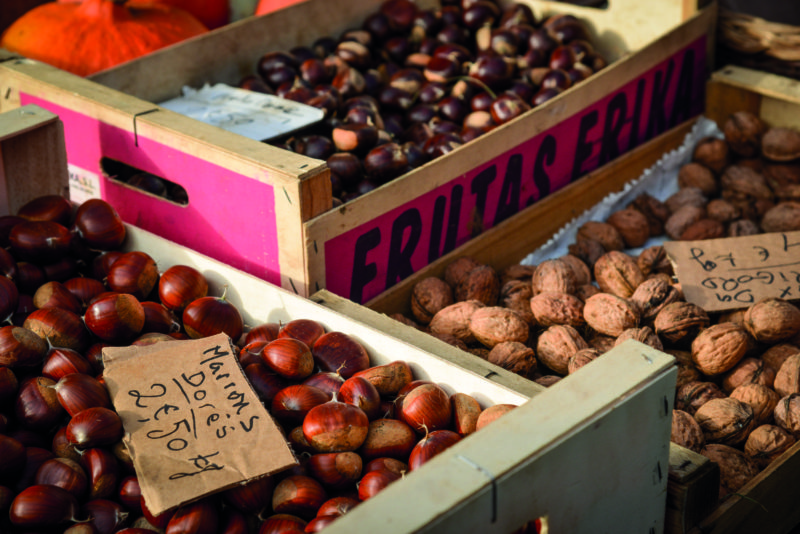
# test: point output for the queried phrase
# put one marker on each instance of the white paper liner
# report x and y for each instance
(660, 181)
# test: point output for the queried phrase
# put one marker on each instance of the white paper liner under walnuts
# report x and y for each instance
(660, 181)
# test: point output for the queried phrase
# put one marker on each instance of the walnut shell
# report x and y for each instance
(782, 174)
(723, 211)
(777, 354)
(454, 320)
(743, 227)
(787, 379)
(609, 314)
(457, 270)
(588, 250)
(688, 196)
(727, 421)
(521, 305)
(405, 320)
(748, 371)
(686, 432)
(491, 325)
(513, 356)
(783, 217)
(760, 398)
(632, 225)
(656, 212)
(735, 468)
(516, 288)
(607, 235)
(687, 373)
(428, 296)
(654, 259)
(712, 152)
(547, 380)
(581, 358)
(693, 395)
(586, 290)
(556, 345)
(450, 340)
(652, 296)
(583, 275)
(553, 275)
(601, 342)
(772, 320)
(516, 272)
(719, 348)
(766, 443)
(644, 335)
(697, 176)
(787, 414)
(743, 131)
(781, 144)
(481, 284)
(703, 229)
(682, 219)
(618, 273)
(554, 307)
(740, 183)
(680, 322)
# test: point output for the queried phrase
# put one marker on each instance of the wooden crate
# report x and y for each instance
(767, 503)
(267, 211)
(540, 460)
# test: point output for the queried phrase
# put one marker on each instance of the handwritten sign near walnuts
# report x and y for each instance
(193, 424)
(735, 272)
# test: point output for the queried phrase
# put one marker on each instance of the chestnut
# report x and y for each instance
(99, 224)
(355, 138)
(273, 60)
(40, 241)
(517, 14)
(256, 84)
(21, 347)
(43, 506)
(355, 54)
(492, 70)
(377, 24)
(441, 69)
(400, 14)
(431, 445)
(384, 163)
(94, 427)
(349, 82)
(347, 167)
(314, 71)
(441, 144)
(432, 92)
(208, 316)
(115, 317)
(36, 406)
(61, 362)
(562, 57)
(47, 208)
(395, 98)
(506, 107)
(398, 48)
(134, 272)
(556, 79)
(480, 13)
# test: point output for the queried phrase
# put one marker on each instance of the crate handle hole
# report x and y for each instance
(144, 181)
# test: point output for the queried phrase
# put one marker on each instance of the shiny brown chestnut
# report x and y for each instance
(12, 458)
(335, 469)
(355, 138)
(252, 497)
(330, 383)
(94, 427)
(390, 438)
(179, 285)
(36, 406)
(263, 332)
(39, 241)
(431, 445)
(130, 494)
(506, 107)
(374, 482)
(64, 473)
(208, 316)
(103, 469)
(200, 517)
(60, 362)
(134, 272)
(341, 353)
(385, 162)
(47, 208)
(298, 495)
(289, 357)
(292, 403)
(360, 392)
(55, 295)
(21, 347)
(77, 392)
(106, 516)
(43, 506)
(115, 317)
(99, 225)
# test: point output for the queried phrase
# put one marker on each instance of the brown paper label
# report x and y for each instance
(193, 424)
(735, 272)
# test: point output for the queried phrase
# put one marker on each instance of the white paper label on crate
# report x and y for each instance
(83, 184)
(254, 115)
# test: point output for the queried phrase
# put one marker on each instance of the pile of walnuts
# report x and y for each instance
(738, 390)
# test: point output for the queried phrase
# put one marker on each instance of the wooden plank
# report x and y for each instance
(692, 490)
(527, 230)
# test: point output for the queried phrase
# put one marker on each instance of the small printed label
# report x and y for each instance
(83, 184)
(254, 115)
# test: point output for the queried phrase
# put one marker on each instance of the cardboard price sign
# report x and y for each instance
(193, 424)
(735, 272)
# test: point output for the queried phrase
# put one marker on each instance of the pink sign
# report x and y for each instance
(229, 217)
(367, 260)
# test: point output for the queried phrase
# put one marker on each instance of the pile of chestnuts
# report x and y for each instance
(67, 290)
(413, 84)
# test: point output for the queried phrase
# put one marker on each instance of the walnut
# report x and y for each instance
(516, 272)
(735, 468)
(581, 358)
(703, 229)
(513, 356)
(556, 345)
(617, 273)
(687, 373)
(516, 288)
(688, 196)
(652, 295)
(772, 320)
(742, 183)
(781, 144)
(766, 443)
(686, 432)
(607, 235)
(450, 340)
(644, 335)
(521, 305)
(654, 210)
(553, 275)
(743, 131)
(481, 284)
(654, 259)
(727, 421)
(632, 225)
(454, 320)
(743, 227)
(693, 395)
(697, 176)
(609, 314)
(428, 296)
(680, 322)
(712, 152)
(583, 275)
(760, 398)
(491, 325)
(787, 379)
(783, 217)
(723, 211)
(748, 371)
(682, 219)
(547, 380)
(588, 250)
(405, 320)
(601, 342)
(787, 414)
(719, 348)
(777, 354)
(555, 307)
(457, 270)
(585, 291)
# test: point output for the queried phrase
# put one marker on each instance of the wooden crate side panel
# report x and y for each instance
(511, 241)
(372, 242)
(559, 455)
(33, 162)
(692, 489)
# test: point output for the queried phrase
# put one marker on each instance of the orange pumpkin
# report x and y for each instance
(268, 6)
(212, 13)
(84, 38)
